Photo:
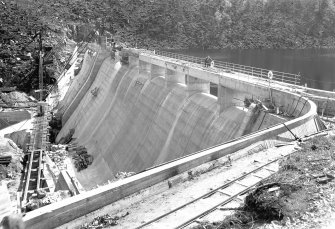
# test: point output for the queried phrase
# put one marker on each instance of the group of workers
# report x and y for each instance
(209, 62)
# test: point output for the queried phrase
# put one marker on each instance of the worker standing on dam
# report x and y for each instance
(208, 61)
(270, 75)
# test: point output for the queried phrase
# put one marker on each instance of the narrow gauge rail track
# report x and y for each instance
(193, 211)
(33, 178)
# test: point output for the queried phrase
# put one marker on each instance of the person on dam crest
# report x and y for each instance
(208, 61)
(270, 75)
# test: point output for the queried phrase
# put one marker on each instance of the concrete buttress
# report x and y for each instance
(173, 77)
(195, 85)
(157, 71)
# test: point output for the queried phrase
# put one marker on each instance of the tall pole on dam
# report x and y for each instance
(270, 76)
(40, 68)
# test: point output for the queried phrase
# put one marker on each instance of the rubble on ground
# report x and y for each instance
(122, 175)
(41, 198)
(103, 221)
(58, 154)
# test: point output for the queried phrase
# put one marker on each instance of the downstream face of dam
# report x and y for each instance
(134, 116)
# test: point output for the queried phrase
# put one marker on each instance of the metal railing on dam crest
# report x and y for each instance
(231, 67)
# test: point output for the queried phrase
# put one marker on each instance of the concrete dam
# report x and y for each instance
(133, 116)
(155, 116)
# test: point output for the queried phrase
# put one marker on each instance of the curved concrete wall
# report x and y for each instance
(142, 116)
(134, 122)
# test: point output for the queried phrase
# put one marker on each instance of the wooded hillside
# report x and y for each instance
(205, 23)
(157, 24)
(214, 23)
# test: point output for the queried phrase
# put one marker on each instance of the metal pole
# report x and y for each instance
(40, 69)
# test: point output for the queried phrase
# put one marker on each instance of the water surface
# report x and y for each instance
(316, 66)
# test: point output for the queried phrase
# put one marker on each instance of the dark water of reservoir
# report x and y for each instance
(316, 66)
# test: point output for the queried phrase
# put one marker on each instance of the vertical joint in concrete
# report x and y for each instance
(144, 68)
(133, 60)
(248, 121)
(225, 97)
(103, 41)
(157, 71)
(173, 77)
(195, 85)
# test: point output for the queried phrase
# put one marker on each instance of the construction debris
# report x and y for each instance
(41, 198)
(122, 175)
(103, 221)
(58, 154)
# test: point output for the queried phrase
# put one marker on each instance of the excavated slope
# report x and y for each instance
(132, 123)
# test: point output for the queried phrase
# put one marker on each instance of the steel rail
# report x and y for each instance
(210, 194)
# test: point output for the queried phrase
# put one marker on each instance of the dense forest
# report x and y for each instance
(207, 24)
(213, 23)
(204, 23)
